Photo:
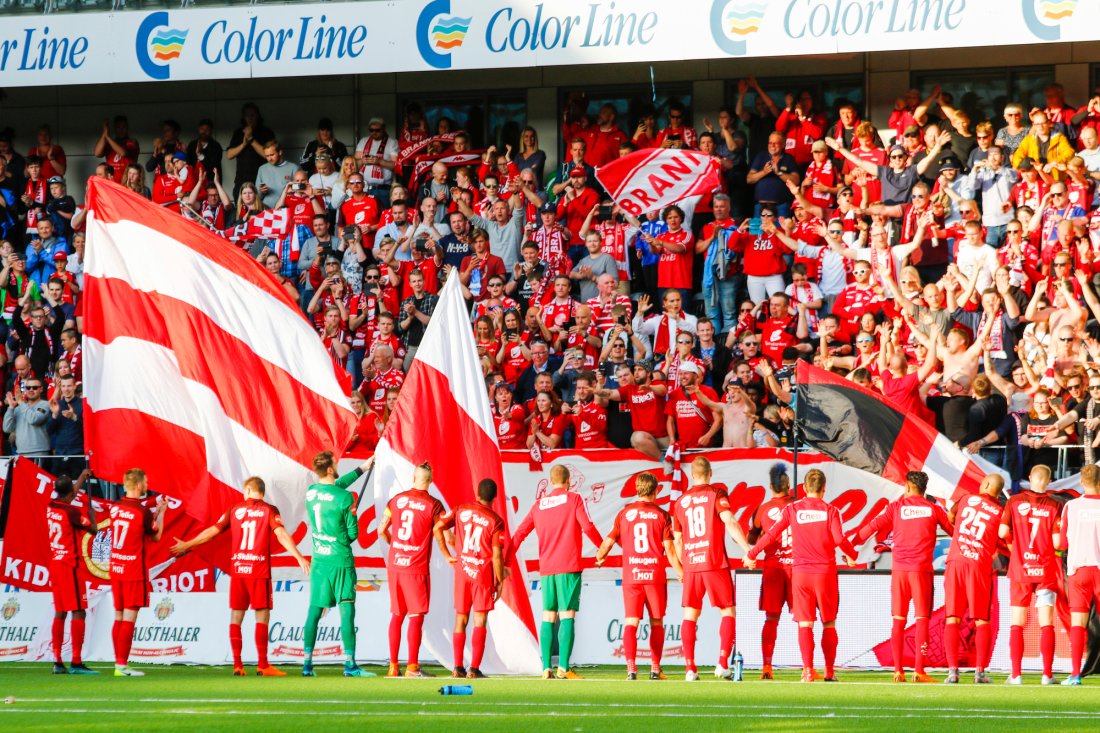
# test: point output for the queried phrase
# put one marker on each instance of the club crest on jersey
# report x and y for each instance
(9, 609)
(503, 428)
(402, 502)
(239, 514)
(465, 515)
(973, 500)
(585, 427)
(685, 502)
(631, 514)
(775, 513)
(1023, 509)
(164, 609)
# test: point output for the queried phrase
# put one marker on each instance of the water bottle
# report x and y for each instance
(456, 690)
(738, 667)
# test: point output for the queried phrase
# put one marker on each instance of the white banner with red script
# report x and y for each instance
(651, 179)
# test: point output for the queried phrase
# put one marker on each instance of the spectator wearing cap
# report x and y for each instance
(992, 182)
(325, 143)
(898, 178)
(769, 175)
(246, 146)
(60, 208)
(1047, 149)
(204, 151)
(912, 140)
(116, 147)
(821, 181)
(688, 419)
(377, 153)
(573, 206)
(957, 188)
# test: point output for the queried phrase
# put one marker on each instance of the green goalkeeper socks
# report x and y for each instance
(546, 641)
(347, 631)
(565, 642)
(309, 633)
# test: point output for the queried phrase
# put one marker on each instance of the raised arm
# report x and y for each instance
(838, 146)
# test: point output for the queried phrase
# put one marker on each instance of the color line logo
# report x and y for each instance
(1044, 17)
(733, 21)
(155, 51)
(438, 33)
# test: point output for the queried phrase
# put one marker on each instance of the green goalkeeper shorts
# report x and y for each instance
(561, 592)
(330, 586)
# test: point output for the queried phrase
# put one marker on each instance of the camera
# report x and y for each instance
(350, 234)
(421, 243)
(605, 213)
(674, 136)
(621, 320)
(297, 187)
(510, 334)
(571, 323)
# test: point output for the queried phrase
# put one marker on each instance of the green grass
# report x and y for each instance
(210, 699)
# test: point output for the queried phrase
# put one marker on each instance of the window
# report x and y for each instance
(630, 102)
(493, 118)
(828, 92)
(983, 93)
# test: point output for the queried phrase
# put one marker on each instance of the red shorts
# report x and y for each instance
(651, 598)
(776, 590)
(815, 592)
(717, 584)
(1084, 589)
(1021, 594)
(472, 594)
(968, 587)
(409, 593)
(247, 592)
(69, 593)
(911, 585)
(130, 593)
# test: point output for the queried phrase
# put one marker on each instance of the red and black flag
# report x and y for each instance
(861, 429)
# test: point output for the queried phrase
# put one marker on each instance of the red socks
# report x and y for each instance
(687, 635)
(478, 652)
(630, 647)
(1078, 636)
(829, 643)
(951, 644)
(806, 646)
(656, 645)
(984, 635)
(77, 630)
(1016, 649)
(395, 636)
(1046, 649)
(115, 642)
(125, 641)
(236, 642)
(767, 639)
(458, 647)
(922, 645)
(726, 633)
(416, 630)
(261, 645)
(58, 638)
(897, 643)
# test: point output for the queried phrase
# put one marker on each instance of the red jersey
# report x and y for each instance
(427, 267)
(375, 389)
(762, 253)
(776, 334)
(478, 531)
(647, 409)
(816, 533)
(1028, 194)
(514, 361)
(118, 162)
(693, 419)
(1033, 520)
(301, 209)
(642, 528)
(975, 538)
(674, 268)
(601, 312)
(412, 514)
(824, 174)
(555, 425)
(590, 426)
(766, 515)
(361, 212)
(511, 429)
(64, 522)
(560, 518)
(556, 313)
(131, 522)
(697, 516)
(250, 524)
(913, 521)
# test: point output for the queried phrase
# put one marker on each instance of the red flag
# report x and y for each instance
(651, 179)
(199, 368)
(26, 560)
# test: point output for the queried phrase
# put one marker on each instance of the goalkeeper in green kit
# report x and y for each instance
(330, 509)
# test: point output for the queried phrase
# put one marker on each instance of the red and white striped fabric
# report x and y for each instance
(442, 416)
(651, 179)
(199, 368)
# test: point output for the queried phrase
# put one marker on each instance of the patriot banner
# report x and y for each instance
(651, 179)
(859, 428)
(199, 368)
(442, 416)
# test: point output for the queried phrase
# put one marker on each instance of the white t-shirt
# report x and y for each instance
(980, 262)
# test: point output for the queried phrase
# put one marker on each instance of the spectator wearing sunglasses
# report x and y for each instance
(28, 416)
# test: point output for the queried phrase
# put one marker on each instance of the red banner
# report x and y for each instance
(650, 180)
(26, 560)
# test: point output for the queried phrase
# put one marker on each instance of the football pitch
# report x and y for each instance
(210, 699)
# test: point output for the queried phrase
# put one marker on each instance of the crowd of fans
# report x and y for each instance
(948, 263)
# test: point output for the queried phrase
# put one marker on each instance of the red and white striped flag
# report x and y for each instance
(442, 416)
(651, 179)
(199, 368)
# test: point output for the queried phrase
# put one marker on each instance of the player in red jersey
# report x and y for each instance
(968, 581)
(913, 520)
(251, 524)
(1080, 537)
(413, 513)
(476, 533)
(698, 520)
(131, 524)
(66, 525)
(1030, 521)
(559, 518)
(816, 533)
(647, 529)
(775, 578)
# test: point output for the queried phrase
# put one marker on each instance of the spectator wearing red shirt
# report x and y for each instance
(360, 210)
(800, 126)
(645, 400)
(1058, 112)
(677, 134)
(509, 419)
(588, 415)
(476, 269)
(783, 329)
(904, 107)
(300, 199)
(547, 425)
(900, 386)
(53, 157)
(688, 421)
(118, 150)
(677, 252)
(380, 374)
(821, 181)
(762, 256)
(604, 138)
(573, 208)
(367, 432)
(645, 136)
(862, 296)
(866, 147)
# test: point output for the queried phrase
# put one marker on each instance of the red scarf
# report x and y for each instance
(37, 191)
(663, 338)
